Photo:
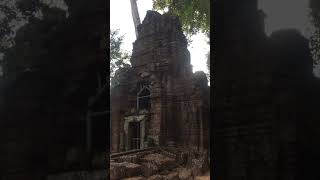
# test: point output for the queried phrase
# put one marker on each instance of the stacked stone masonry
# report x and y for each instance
(164, 164)
(264, 98)
(178, 109)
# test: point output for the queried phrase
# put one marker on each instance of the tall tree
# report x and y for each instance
(135, 15)
(118, 57)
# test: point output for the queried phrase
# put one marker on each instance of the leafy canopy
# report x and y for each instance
(119, 58)
(194, 14)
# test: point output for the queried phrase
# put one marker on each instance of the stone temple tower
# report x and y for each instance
(260, 99)
(159, 99)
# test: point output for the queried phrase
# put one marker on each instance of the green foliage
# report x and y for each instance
(119, 59)
(14, 14)
(115, 46)
(194, 14)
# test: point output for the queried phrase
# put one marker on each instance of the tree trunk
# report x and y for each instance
(135, 15)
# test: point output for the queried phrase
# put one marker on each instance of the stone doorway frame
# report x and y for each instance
(134, 118)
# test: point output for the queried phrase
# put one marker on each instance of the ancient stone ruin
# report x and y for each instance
(264, 98)
(159, 101)
(48, 128)
(160, 163)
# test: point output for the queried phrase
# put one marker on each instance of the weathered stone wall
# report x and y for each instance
(46, 91)
(179, 98)
(259, 97)
(163, 163)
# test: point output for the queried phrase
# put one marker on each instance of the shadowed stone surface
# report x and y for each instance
(159, 165)
(49, 76)
(264, 98)
(124, 170)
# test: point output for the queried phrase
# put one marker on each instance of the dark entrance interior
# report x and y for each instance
(134, 135)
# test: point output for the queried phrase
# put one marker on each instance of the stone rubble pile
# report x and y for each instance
(158, 166)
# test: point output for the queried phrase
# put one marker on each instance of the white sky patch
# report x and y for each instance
(199, 49)
(121, 18)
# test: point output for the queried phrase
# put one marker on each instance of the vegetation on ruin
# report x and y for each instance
(19, 22)
(118, 57)
(194, 14)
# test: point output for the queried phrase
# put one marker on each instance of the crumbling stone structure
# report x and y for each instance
(159, 100)
(262, 115)
(45, 92)
(168, 163)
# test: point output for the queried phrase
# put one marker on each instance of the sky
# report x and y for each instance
(286, 14)
(121, 18)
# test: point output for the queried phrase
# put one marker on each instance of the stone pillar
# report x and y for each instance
(155, 123)
(171, 122)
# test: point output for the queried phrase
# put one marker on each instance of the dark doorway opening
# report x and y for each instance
(134, 135)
